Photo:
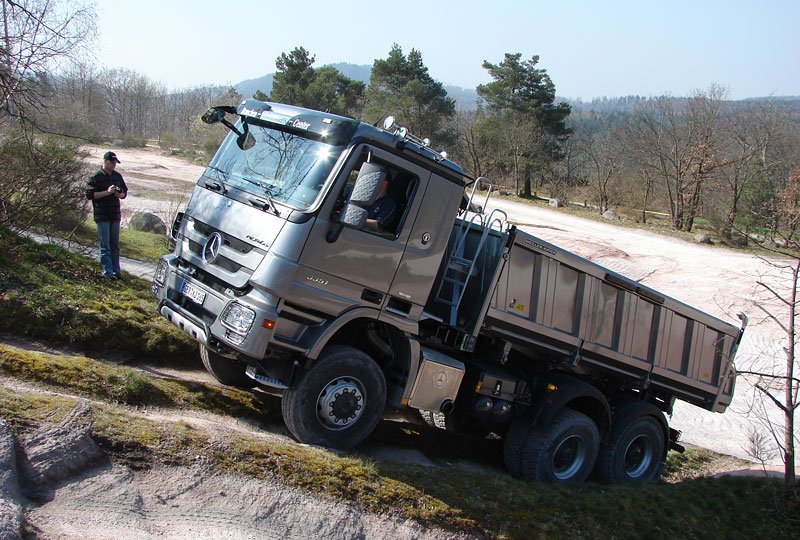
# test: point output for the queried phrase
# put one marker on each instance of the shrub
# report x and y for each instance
(42, 182)
(134, 142)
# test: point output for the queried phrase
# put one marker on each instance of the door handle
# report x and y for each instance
(373, 297)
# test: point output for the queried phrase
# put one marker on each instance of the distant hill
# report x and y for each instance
(627, 104)
(466, 98)
(249, 87)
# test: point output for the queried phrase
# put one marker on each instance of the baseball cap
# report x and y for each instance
(111, 156)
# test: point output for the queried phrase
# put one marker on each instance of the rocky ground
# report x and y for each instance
(56, 483)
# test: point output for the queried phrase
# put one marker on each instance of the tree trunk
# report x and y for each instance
(527, 185)
(790, 393)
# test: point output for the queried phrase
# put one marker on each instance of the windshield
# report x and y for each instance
(282, 166)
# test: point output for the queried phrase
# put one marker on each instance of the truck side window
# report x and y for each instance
(388, 213)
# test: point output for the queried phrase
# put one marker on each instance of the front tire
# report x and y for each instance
(228, 371)
(338, 401)
(563, 452)
(635, 452)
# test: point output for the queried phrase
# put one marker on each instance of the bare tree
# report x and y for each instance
(37, 33)
(601, 155)
(749, 156)
(776, 381)
(128, 96)
(678, 142)
(480, 158)
(42, 183)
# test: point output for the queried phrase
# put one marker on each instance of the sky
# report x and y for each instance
(590, 49)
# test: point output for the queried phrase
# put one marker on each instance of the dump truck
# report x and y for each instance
(447, 308)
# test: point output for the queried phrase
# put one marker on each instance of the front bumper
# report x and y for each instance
(200, 319)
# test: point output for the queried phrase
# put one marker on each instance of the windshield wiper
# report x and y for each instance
(264, 205)
(269, 193)
(218, 186)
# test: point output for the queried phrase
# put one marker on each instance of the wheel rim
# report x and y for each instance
(639, 456)
(569, 457)
(341, 403)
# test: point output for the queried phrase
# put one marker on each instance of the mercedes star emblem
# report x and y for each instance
(211, 248)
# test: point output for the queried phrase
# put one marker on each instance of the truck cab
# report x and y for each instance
(275, 264)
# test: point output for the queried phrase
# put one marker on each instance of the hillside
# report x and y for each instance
(111, 429)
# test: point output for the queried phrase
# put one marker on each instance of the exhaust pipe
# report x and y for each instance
(447, 406)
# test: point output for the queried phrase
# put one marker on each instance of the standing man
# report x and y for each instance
(105, 188)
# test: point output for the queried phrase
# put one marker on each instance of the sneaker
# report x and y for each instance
(116, 276)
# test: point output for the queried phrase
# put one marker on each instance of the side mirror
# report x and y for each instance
(245, 141)
(213, 115)
(368, 185)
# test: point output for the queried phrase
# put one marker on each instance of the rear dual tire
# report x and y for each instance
(562, 452)
(635, 452)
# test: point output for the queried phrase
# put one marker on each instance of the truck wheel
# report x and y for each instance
(228, 371)
(338, 401)
(514, 443)
(563, 452)
(635, 452)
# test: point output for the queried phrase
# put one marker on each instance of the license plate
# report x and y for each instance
(193, 293)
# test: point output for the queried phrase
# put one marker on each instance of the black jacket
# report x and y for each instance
(105, 208)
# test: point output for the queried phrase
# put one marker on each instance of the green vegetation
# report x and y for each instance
(49, 293)
(120, 384)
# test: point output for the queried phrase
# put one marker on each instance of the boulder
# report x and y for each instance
(556, 203)
(610, 214)
(55, 452)
(702, 238)
(147, 222)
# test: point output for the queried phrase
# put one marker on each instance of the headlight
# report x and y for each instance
(238, 318)
(160, 275)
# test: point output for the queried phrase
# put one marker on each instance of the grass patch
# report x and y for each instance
(100, 380)
(48, 293)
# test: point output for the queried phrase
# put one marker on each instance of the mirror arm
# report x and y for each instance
(232, 127)
(334, 232)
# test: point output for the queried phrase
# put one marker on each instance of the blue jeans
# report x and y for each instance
(108, 234)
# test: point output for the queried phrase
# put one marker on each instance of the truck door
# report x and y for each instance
(358, 268)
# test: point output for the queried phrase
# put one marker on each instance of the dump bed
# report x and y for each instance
(546, 298)
(557, 300)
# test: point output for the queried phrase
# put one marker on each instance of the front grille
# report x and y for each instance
(234, 243)
(222, 262)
